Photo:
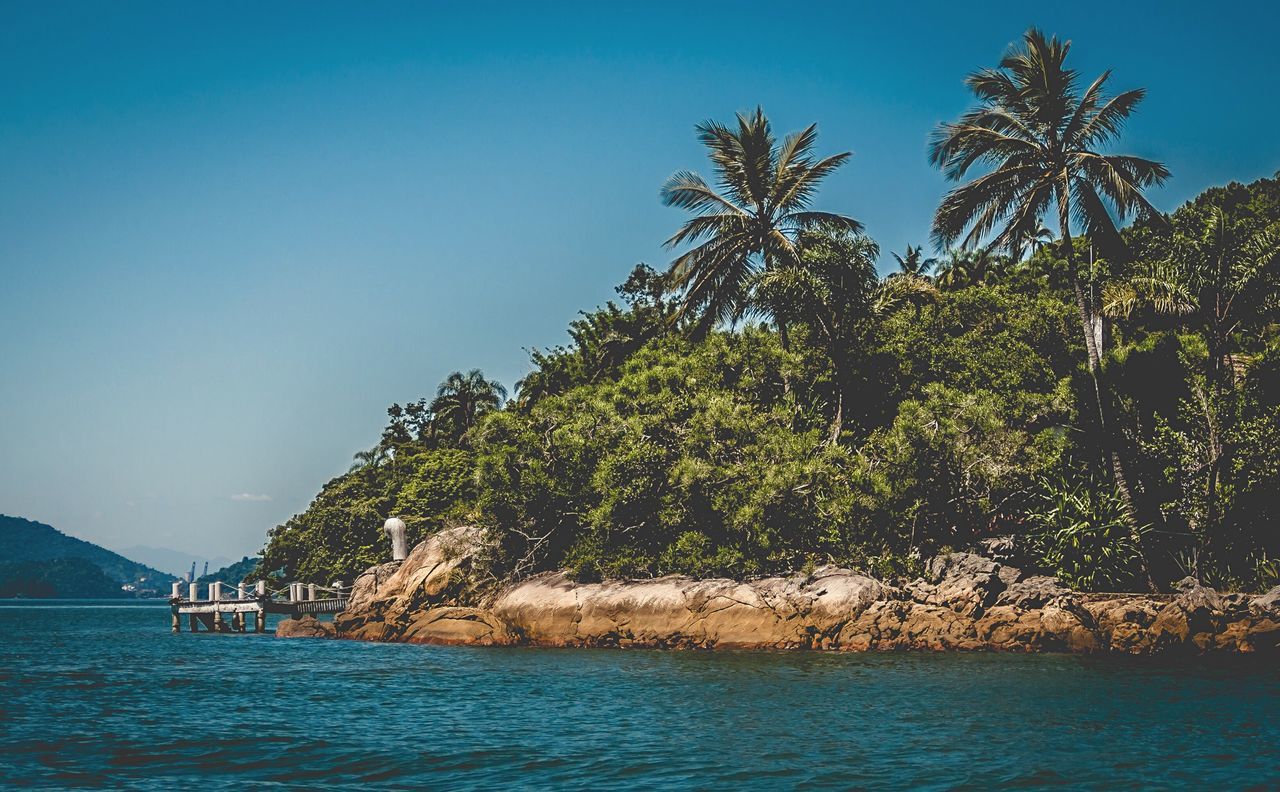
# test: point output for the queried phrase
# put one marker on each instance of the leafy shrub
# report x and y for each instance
(1081, 534)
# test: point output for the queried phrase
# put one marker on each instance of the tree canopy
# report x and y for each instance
(1107, 398)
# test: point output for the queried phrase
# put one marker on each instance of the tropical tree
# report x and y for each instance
(834, 286)
(1040, 137)
(368, 458)
(749, 220)
(1035, 240)
(964, 268)
(1214, 276)
(462, 399)
(1218, 278)
(913, 262)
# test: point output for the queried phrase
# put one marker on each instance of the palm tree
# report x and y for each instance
(370, 458)
(914, 263)
(1033, 241)
(462, 399)
(1212, 276)
(964, 268)
(1040, 136)
(834, 286)
(748, 222)
(1215, 279)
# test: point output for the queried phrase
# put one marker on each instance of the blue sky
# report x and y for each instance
(231, 234)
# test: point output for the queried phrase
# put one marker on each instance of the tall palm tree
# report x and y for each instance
(913, 262)
(463, 398)
(749, 220)
(1040, 138)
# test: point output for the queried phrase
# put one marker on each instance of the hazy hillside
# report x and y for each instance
(174, 562)
(232, 573)
(25, 541)
(57, 578)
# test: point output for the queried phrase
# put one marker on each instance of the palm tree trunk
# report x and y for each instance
(842, 376)
(784, 340)
(1094, 355)
(1214, 385)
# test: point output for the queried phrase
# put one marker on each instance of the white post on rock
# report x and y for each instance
(395, 528)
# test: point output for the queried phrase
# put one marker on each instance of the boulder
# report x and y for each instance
(369, 584)
(674, 611)
(1267, 603)
(306, 627)
(1034, 592)
(966, 583)
(385, 598)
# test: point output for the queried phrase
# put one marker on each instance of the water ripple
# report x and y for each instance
(94, 699)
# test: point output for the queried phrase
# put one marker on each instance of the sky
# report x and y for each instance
(231, 234)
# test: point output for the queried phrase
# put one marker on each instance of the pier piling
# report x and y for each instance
(222, 612)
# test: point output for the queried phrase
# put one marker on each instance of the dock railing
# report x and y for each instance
(237, 601)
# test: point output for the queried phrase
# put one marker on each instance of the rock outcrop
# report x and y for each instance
(965, 601)
(305, 627)
(388, 599)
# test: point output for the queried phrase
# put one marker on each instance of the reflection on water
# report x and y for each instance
(106, 697)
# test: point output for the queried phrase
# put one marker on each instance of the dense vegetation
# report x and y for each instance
(57, 578)
(28, 550)
(232, 573)
(1107, 395)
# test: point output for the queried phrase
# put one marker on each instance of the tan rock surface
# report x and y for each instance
(965, 602)
(306, 627)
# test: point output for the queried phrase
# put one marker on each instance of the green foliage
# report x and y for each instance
(692, 553)
(749, 221)
(27, 540)
(1081, 534)
(876, 421)
(951, 464)
(691, 436)
(233, 573)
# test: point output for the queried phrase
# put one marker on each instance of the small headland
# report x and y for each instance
(964, 602)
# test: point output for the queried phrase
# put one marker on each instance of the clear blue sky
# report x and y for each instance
(232, 233)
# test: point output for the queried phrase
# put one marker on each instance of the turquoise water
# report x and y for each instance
(106, 697)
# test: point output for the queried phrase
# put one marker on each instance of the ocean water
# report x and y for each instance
(103, 696)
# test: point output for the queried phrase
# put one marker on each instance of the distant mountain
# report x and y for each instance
(58, 578)
(175, 562)
(232, 573)
(27, 546)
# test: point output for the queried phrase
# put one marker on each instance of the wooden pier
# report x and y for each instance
(227, 608)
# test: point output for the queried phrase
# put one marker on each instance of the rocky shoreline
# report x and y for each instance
(965, 602)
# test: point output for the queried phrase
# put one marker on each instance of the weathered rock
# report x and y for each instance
(1034, 592)
(965, 602)
(1195, 597)
(1186, 584)
(1124, 622)
(456, 625)
(369, 584)
(306, 627)
(1267, 603)
(966, 583)
(385, 599)
(682, 612)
